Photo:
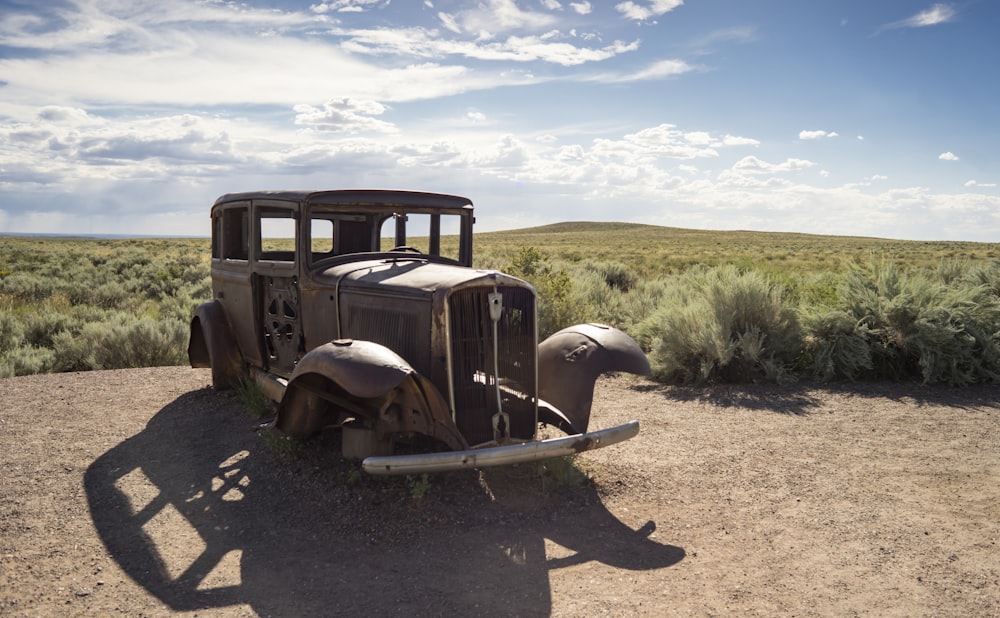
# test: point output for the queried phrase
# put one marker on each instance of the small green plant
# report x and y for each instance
(560, 473)
(418, 486)
(281, 444)
(253, 398)
(352, 477)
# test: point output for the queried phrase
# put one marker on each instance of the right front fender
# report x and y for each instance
(571, 360)
(367, 380)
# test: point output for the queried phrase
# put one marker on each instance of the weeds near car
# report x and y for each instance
(418, 486)
(280, 443)
(253, 398)
(560, 473)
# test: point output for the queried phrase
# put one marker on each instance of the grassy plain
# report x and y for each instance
(654, 250)
(70, 304)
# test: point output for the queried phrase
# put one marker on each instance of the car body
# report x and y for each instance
(322, 299)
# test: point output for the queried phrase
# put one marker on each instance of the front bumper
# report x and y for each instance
(499, 455)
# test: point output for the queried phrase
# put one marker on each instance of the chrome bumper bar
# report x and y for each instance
(499, 455)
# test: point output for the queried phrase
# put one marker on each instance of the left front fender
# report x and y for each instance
(367, 379)
(570, 361)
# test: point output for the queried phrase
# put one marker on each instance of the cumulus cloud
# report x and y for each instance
(500, 16)
(973, 183)
(820, 134)
(581, 8)
(344, 116)
(948, 156)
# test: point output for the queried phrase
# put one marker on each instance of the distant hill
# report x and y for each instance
(657, 249)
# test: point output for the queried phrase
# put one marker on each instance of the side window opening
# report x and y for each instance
(339, 234)
(322, 238)
(277, 235)
(235, 234)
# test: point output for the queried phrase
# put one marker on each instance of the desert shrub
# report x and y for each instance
(936, 327)
(835, 345)
(26, 360)
(985, 274)
(616, 275)
(634, 309)
(132, 342)
(11, 332)
(39, 327)
(721, 324)
(27, 286)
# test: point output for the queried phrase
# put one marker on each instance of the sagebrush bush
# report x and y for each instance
(722, 324)
(835, 345)
(77, 305)
(937, 327)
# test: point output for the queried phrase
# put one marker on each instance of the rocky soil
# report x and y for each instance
(144, 493)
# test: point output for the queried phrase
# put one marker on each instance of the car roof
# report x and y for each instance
(360, 197)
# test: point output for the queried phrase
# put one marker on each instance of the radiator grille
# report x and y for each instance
(473, 367)
(393, 329)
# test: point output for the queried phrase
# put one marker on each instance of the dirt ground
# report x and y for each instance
(145, 493)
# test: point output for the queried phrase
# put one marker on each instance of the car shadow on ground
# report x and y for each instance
(202, 513)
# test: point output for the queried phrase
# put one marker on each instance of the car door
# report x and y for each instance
(276, 285)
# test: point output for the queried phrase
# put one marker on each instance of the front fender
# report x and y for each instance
(212, 344)
(366, 380)
(571, 360)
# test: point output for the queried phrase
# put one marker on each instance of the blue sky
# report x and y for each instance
(832, 117)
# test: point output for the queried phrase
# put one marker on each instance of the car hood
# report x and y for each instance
(413, 274)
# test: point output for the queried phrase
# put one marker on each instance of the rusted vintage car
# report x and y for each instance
(361, 309)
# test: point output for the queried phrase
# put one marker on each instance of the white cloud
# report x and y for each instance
(450, 23)
(419, 42)
(581, 8)
(973, 183)
(937, 14)
(948, 156)
(346, 6)
(502, 16)
(733, 140)
(658, 70)
(820, 134)
(344, 116)
(753, 165)
(641, 11)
